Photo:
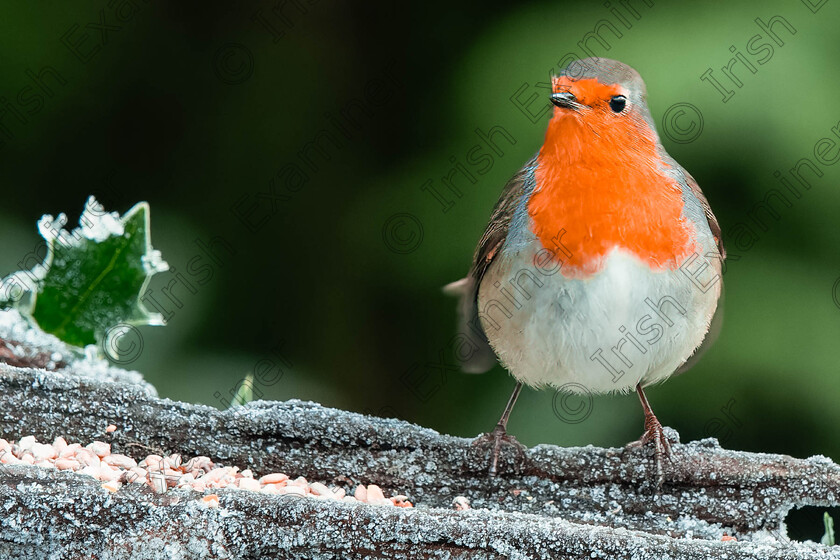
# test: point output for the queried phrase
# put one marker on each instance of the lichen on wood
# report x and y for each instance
(548, 502)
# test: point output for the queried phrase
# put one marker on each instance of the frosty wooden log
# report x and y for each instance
(552, 502)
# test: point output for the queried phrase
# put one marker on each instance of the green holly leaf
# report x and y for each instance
(94, 276)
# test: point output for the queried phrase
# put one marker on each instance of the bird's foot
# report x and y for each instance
(655, 437)
(495, 440)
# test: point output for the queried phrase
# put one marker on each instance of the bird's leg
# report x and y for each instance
(653, 434)
(499, 434)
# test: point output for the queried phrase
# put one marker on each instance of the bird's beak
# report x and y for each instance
(565, 99)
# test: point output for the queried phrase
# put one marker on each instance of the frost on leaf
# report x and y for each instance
(93, 276)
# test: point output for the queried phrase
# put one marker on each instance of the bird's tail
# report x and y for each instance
(479, 356)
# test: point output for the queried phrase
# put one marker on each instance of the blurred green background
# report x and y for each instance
(198, 108)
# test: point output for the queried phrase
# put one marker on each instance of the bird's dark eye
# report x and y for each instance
(617, 103)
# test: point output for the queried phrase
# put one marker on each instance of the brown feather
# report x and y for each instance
(489, 247)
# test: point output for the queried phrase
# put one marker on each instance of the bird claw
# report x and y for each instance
(655, 435)
(498, 437)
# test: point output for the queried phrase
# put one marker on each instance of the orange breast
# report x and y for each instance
(605, 190)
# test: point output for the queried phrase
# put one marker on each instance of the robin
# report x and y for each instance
(599, 271)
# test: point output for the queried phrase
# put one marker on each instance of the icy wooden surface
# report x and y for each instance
(550, 503)
(25, 346)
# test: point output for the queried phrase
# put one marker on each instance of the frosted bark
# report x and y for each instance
(550, 502)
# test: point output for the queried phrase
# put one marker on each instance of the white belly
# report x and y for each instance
(624, 325)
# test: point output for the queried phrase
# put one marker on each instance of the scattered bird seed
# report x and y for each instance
(161, 473)
(461, 503)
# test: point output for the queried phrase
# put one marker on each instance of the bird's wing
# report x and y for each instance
(717, 318)
(710, 217)
(488, 249)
